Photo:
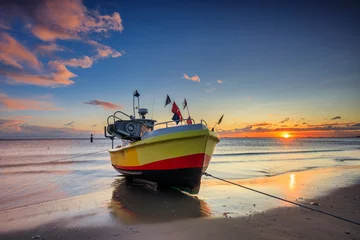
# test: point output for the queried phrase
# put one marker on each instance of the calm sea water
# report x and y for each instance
(36, 171)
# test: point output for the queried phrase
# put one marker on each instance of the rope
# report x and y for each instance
(76, 156)
(282, 199)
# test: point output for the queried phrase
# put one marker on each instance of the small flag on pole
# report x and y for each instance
(168, 100)
(185, 103)
(220, 119)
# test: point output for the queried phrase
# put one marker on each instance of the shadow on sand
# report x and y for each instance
(140, 203)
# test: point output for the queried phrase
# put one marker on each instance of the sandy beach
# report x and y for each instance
(46, 193)
(138, 211)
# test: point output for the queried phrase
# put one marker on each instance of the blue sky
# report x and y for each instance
(276, 60)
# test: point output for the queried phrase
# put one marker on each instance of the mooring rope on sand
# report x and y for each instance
(282, 199)
(80, 155)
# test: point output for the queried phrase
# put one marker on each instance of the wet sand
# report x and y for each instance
(139, 212)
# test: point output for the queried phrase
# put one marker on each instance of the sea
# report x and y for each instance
(38, 171)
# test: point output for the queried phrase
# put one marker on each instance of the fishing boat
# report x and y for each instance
(163, 153)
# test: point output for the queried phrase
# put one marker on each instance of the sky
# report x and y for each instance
(271, 67)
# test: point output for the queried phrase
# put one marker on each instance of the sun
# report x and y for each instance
(286, 135)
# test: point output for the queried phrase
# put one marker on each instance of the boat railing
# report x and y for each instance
(203, 121)
(114, 117)
(172, 123)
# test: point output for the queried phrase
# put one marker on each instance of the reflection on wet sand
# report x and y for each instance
(139, 203)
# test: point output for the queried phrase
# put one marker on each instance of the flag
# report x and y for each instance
(168, 100)
(189, 121)
(176, 118)
(177, 114)
(220, 119)
(185, 103)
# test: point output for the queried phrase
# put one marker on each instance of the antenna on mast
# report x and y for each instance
(152, 111)
(136, 94)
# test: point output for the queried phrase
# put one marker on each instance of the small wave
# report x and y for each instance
(268, 153)
(345, 159)
(268, 160)
(48, 163)
(303, 169)
(35, 172)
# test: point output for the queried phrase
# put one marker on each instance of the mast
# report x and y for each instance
(136, 94)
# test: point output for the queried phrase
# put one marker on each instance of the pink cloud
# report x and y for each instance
(104, 51)
(10, 125)
(10, 104)
(49, 48)
(249, 98)
(194, 78)
(60, 76)
(219, 81)
(20, 129)
(51, 20)
(13, 53)
(47, 34)
(105, 105)
(65, 19)
(84, 62)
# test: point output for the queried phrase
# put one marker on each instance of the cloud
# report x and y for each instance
(246, 129)
(304, 123)
(261, 124)
(337, 117)
(249, 98)
(104, 51)
(10, 125)
(60, 76)
(14, 54)
(50, 20)
(49, 48)
(17, 129)
(105, 105)
(210, 89)
(321, 127)
(94, 125)
(195, 78)
(285, 120)
(219, 81)
(84, 62)
(70, 124)
(66, 19)
(3, 24)
(13, 104)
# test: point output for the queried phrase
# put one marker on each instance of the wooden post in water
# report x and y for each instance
(91, 138)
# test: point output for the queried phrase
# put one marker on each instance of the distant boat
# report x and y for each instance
(175, 156)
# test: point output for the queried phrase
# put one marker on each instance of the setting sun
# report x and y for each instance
(286, 135)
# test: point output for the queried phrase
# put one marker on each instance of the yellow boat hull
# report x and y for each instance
(175, 159)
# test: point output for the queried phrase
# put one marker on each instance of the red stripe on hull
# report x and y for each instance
(190, 161)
